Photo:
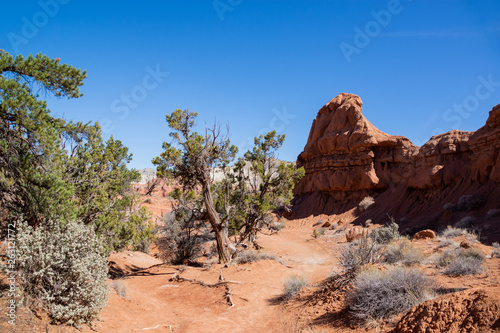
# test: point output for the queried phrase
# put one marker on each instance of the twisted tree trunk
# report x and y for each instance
(217, 226)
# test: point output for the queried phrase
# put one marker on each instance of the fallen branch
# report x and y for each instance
(178, 278)
(227, 295)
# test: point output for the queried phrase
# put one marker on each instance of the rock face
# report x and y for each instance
(346, 158)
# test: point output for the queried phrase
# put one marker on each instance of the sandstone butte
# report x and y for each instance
(453, 177)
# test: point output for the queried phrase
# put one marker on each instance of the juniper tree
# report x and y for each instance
(190, 159)
(54, 169)
(260, 184)
(243, 198)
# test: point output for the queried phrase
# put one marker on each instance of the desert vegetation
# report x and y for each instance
(79, 231)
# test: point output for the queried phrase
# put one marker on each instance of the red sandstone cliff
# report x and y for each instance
(346, 158)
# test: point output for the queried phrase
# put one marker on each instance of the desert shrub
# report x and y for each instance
(464, 266)
(496, 245)
(451, 232)
(317, 233)
(184, 231)
(458, 261)
(449, 206)
(403, 252)
(466, 222)
(468, 202)
(251, 256)
(120, 289)
(384, 235)
(353, 258)
(376, 294)
(366, 204)
(277, 226)
(293, 285)
(492, 213)
(63, 269)
(445, 243)
(148, 201)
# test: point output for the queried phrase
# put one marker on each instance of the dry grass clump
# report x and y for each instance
(445, 242)
(252, 256)
(120, 289)
(293, 285)
(366, 204)
(458, 261)
(452, 232)
(382, 294)
(403, 252)
(317, 233)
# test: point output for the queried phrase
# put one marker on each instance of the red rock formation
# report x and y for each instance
(346, 158)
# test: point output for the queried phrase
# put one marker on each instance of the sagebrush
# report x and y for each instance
(387, 234)
(403, 252)
(293, 285)
(382, 294)
(63, 269)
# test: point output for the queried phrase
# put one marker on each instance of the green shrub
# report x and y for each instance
(384, 235)
(62, 268)
(376, 294)
(293, 285)
(403, 252)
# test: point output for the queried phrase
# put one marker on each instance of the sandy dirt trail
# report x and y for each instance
(156, 304)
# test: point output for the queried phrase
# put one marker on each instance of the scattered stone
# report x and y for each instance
(326, 225)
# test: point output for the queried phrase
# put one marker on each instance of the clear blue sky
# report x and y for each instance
(420, 67)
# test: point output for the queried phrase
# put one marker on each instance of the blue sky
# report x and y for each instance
(420, 67)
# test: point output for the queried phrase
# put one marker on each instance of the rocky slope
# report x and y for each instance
(453, 178)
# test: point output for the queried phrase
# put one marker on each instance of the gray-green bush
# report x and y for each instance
(387, 234)
(293, 285)
(63, 269)
(403, 252)
(451, 232)
(382, 294)
(459, 261)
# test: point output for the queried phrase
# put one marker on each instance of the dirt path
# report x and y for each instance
(154, 304)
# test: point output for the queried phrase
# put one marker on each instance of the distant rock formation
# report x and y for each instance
(346, 158)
